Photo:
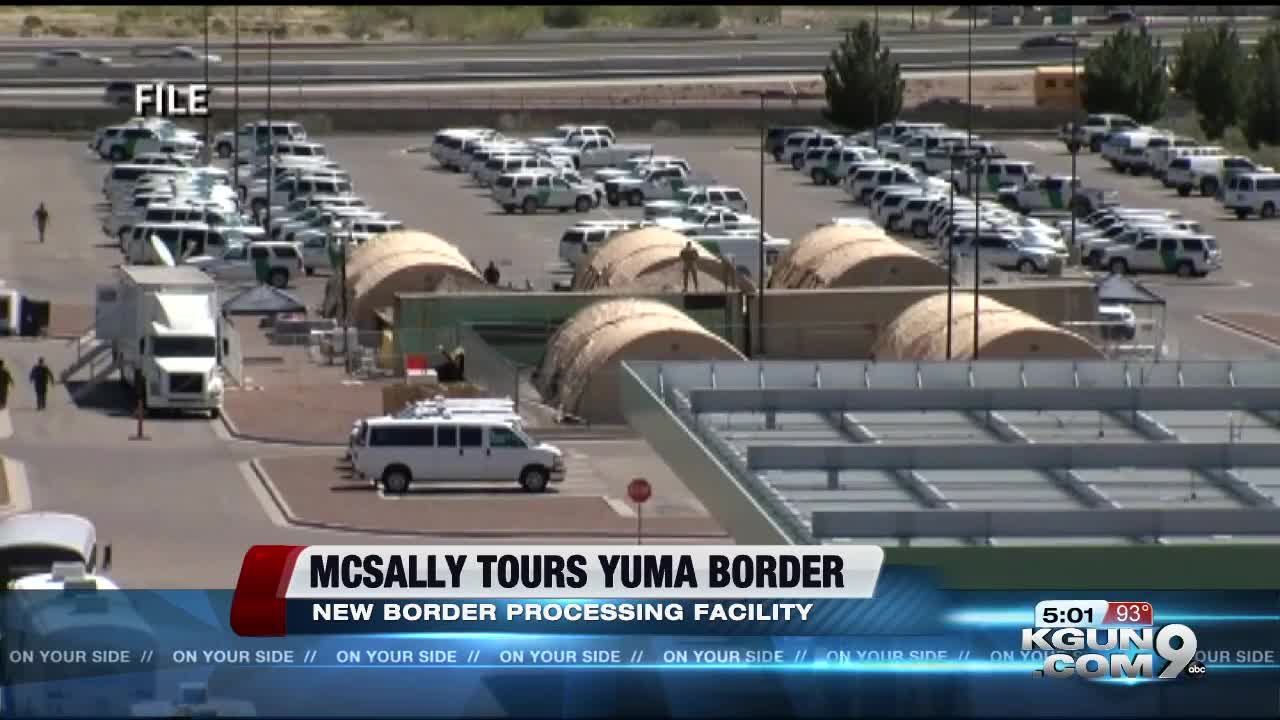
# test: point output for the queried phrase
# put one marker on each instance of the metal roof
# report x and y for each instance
(1044, 452)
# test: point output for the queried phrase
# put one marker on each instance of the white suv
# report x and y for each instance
(395, 453)
(272, 262)
(1172, 251)
(531, 192)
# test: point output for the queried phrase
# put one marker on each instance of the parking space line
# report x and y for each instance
(1237, 330)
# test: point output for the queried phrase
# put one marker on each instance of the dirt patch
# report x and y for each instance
(1000, 90)
(318, 490)
(302, 414)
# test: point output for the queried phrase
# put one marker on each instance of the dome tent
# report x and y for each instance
(579, 372)
(396, 262)
(853, 256)
(647, 257)
(1004, 333)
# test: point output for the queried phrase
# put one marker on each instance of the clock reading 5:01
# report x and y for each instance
(1071, 613)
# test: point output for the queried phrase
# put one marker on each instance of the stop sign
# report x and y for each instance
(639, 490)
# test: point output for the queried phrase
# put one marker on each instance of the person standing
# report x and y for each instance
(41, 379)
(689, 261)
(492, 275)
(6, 382)
(41, 216)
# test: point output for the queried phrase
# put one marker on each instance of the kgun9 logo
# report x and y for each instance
(1114, 652)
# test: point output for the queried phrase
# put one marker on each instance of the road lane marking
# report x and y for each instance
(1038, 145)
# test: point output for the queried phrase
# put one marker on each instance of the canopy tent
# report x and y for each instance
(1122, 290)
(263, 300)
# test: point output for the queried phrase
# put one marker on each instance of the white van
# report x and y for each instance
(1165, 156)
(579, 241)
(396, 453)
(1253, 194)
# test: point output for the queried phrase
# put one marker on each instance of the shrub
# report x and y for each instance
(219, 26)
(359, 22)
(119, 31)
(566, 16)
(679, 16)
(63, 31)
(1126, 74)
(321, 29)
(374, 36)
(31, 24)
(864, 84)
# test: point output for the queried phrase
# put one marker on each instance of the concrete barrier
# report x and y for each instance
(637, 119)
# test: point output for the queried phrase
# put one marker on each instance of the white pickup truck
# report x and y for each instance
(661, 184)
(589, 152)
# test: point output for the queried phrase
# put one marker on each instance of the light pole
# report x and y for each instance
(208, 147)
(338, 249)
(951, 252)
(235, 106)
(977, 192)
(271, 176)
(762, 280)
(1074, 146)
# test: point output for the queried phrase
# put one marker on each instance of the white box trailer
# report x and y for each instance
(165, 323)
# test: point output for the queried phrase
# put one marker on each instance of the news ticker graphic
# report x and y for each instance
(911, 648)
(351, 589)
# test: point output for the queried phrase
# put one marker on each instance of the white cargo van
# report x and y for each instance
(396, 453)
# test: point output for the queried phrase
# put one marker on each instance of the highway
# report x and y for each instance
(784, 54)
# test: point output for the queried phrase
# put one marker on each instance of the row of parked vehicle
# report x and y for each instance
(275, 215)
(1241, 185)
(932, 156)
(570, 170)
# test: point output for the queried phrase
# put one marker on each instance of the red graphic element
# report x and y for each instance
(639, 490)
(258, 606)
(1134, 612)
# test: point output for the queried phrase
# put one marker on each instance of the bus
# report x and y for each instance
(1056, 87)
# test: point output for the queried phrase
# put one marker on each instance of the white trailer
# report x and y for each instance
(164, 324)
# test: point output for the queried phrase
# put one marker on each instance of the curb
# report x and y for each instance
(235, 433)
(1241, 328)
(294, 521)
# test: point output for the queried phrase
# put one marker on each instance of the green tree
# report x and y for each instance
(1186, 66)
(1127, 74)
(1218, 87)
(864, 84)
(1261, 112)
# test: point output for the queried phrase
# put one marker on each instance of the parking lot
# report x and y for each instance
(411, 187)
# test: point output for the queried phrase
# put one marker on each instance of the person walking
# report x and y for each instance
(41, 216)
(689, 261)
(6, 382)
(491, 274)
(41, 379)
